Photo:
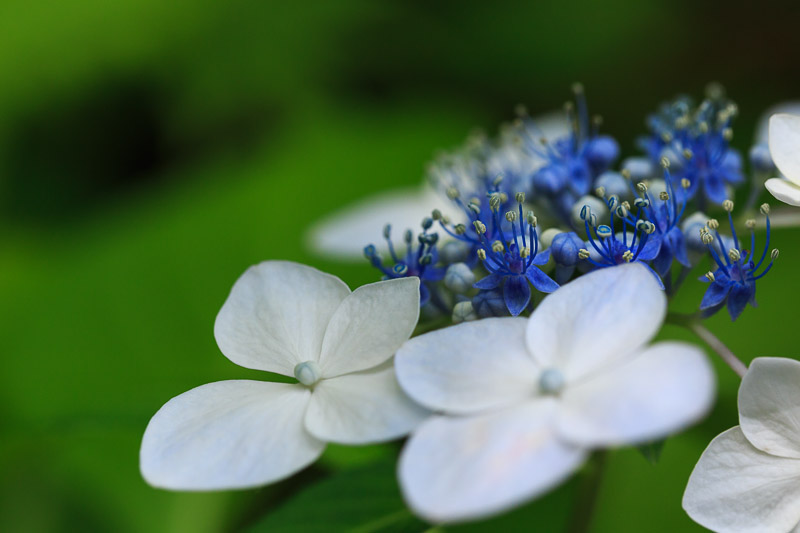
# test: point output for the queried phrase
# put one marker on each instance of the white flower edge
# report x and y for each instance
(295, 320)
(748, 478)
(762, 127)
(784, 148)
(343, 234)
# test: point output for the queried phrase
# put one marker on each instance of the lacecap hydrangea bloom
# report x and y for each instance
(294, 320)
(520, 402)
(748, 479)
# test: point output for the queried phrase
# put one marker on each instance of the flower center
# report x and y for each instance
(308, 373)
(551, 381)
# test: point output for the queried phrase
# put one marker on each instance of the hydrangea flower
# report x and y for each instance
(635, 243)
(297, 321)
(522, 401)
(666, 216)
(508, 247)
(748, 479)
(696, 141)
(784, 146)
(733, 283)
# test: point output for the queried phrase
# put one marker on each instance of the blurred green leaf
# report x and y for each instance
(652, 450)
(361, 500)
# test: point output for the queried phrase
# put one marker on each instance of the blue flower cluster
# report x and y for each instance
(696, 141)
(649, 210)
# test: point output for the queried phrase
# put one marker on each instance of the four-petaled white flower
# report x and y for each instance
(748, 479)
(297, 321)
(784, 147)
(521, 401)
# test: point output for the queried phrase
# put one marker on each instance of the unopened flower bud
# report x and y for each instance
(459, 278)
(463, 312)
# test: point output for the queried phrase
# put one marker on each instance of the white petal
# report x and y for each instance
(598, 319)
(762, 129)
(739, 489)
(460, 468)
(784, 190)
(228, 435)
(784, 145)
(769, 405)
(469, 367)
(664, 389)
(369, 326)
(344, 234)
(361, 408)
(277, 314)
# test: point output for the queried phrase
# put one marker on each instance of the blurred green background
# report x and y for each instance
(150, 151)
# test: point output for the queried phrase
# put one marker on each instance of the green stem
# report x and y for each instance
(693, 324)
(718, 346)
(588, 491)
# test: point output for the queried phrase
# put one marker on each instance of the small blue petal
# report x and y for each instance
(677, 244)
(517, 293)
(541, 281)
(489, 282)
(424, 294)
(650, 248)
(715, 294)
(541, 257)
(715, 188)
(434, 273)
(737, 299)
(663, 260)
